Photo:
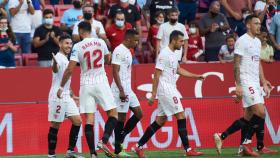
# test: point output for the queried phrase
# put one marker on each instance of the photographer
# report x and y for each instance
(46, 39)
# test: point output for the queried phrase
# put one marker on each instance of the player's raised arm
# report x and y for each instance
(54, 65)
(186, 73)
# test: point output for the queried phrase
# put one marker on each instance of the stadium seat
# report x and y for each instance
(18, 60)
(61, 8)
(30, 59)
(50, 7)
(57, 21)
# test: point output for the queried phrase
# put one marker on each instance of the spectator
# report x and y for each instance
(212, 26)
(233, 9)
(195, 46)
(117, 30)
(36, 18)
(267, 51)
(241, 27)
(46, 39)
(21, 22)
(226, 53)
(152, 35)
(71, 16)
(97, 27)
(3, 12)
(188, 9)
(132, 16)
(165, 30)
(274, 32)
(7, 47)
(260, 6)
(152, 6)
(271, 8)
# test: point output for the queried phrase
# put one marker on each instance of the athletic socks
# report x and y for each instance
(90, 138)
(52, 140)
(235, 126)
(150, 131)
(129, 126)
(260, 134)
(182, 131)
(253, 126)
(73, 137)
(109, 127)
(118, 137)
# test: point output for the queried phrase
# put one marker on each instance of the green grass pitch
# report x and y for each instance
(208, 153)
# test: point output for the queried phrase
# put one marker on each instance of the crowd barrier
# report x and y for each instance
(33, 84)
(24, 128)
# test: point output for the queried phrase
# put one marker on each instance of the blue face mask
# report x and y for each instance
(120, 23)
(48, 21)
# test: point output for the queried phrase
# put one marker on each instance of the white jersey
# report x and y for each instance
(90, 54)
(62, 63)
(122, 56)
(167, 62)
(249, 49)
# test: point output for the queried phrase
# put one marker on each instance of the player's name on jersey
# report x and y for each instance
(90, 44)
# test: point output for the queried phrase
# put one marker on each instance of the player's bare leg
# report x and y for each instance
(182, 131)
(73, 136)
(122, 130)
(150, 131)
(90, 133)
(109, 127)
(52, 139)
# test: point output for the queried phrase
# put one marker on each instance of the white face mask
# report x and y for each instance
(124, 1)
(120, 23)
(160, 21)
(132, 2)
(48, 21)
(192, 30)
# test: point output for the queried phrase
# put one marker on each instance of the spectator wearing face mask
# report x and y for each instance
(195, 46)
(226, 53)
(116, 31)
(165, 30)
(240, 28)
(46, 39)
(97, 27)
(71, 16)
(152, 35)
(7, 44)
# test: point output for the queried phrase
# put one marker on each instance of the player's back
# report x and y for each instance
(90, 53)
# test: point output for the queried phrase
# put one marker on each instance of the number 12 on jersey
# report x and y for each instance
(97, 54)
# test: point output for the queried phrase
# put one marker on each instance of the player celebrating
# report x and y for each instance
(125, 98)
(248, 73)
(94, 86)
(164, 86)
(65, 107)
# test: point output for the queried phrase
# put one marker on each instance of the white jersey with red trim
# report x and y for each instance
(90, 54)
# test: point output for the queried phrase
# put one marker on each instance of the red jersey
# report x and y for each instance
(116, 35)
(152, 35)
(194, 44)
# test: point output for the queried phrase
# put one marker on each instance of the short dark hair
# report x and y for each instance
(250, 17)
(130, 33)
(230, 36)
(119, 12)
(86, 26)
(172, 10)
(64, 36)
(48, 11)
(159, 12)
(175, 35)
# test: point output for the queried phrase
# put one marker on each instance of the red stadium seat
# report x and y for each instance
(57, 21)
(50, 7)
(30, 59)
(60, 9)
(18, 60)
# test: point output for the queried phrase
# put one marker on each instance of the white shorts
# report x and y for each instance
(252, 95)
(61, 108)
(132, 101)
(169, 105)
(90, 95)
